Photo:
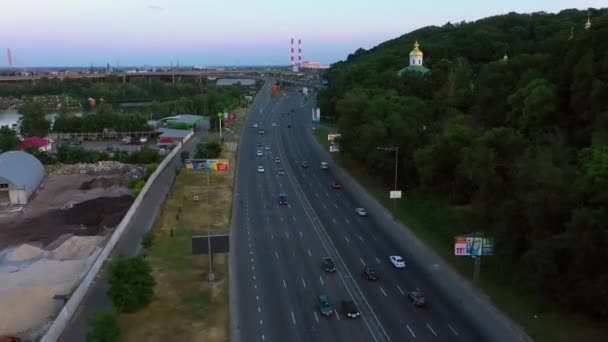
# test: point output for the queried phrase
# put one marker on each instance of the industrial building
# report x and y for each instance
(182, 121)
(170, 136)
(20, 176)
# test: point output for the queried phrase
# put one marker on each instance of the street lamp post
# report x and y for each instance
(396, 149)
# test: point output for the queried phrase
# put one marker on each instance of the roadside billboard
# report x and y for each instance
(333, 147)
(207, 164)
(473, 246)
(331, 137)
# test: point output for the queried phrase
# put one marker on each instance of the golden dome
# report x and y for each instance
(416, 51)
(588, 23)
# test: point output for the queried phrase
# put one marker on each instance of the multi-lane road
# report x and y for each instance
(278, 250)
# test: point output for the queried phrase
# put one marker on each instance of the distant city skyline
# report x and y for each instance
(237, 32)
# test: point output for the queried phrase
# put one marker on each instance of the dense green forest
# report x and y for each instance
(524, 142)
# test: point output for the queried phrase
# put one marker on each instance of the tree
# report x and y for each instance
(8, 139)
(131, 283)
(34, 122)
(104, 327)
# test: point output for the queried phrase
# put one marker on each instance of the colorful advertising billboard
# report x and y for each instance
(473, 246)
(333, 147)
(207, 164)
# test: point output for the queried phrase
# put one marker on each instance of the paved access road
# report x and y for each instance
(279, 249)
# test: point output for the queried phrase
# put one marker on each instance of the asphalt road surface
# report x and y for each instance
(279, 249)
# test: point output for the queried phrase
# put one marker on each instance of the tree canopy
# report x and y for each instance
(522, 141)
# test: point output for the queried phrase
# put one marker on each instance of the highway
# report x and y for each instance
(279, 249)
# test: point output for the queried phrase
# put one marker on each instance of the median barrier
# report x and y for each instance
(493, 324)
(65, 315)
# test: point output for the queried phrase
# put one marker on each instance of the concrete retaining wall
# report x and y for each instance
(68, 310)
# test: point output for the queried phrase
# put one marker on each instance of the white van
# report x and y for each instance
(324, 165)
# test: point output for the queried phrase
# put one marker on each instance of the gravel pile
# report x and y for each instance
(77, 247)
(24, 252)
(103, 168)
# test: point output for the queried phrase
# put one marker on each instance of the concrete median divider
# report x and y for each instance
(65, 315)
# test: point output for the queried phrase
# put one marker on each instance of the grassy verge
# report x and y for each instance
(186, 306)
(436, 224)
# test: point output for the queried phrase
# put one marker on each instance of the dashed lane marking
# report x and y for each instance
(294, 218)
(303, 282)
(346, 238)
(383, 292)
(378, 260)
(454, 331)
(321, 279)
(347, 221)
(276, 254)
(293, 318)
(309, 254)
(316, 317)
(301, 235)
(431, 329)
(334, 220)
(400, 290)
(360, 238)
(363, 262)
(284, 284)
(411, 332)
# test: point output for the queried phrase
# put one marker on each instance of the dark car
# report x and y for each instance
(282, 199)
(328, 265)
(350, 309)
(304, 164)
(280, 172)
(416, 297)
(324, 306)
(288, 125)
(371, 274)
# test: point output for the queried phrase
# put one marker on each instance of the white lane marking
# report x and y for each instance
(284, 284)
(334, 220)
(276, 254)
(400, 290)
(261, 322)
(411, 332)
(431, 329)
(288, 205)
(363, 262)
(293, 317)
(303, 282)
(250, 252)
(454, 331)
(335, 205)
(309, 254)
(378, 260)
(324, 206)
(287, 234)
(271, 236)
(294, 218)
(259, 309)
(257, 298)
(255, 286)
(373, 237)
(346, 238)
(347, 221)
(309, 183)
(251, 259)
(281, 218)
(383, 292)
(252, 268)
(361, 238)
(263, 337)
(337, 315)
(254, 277)
(301, 235)
(317, 194)
(327, 194)
(316, 317)
(323, 283)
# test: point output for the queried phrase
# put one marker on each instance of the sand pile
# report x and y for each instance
(24, 252)
(76, 247)
(58, 241)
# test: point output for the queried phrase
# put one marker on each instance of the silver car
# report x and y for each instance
(361, 211)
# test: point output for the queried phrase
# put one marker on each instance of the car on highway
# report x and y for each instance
(261, 131)
(293, 110)
(361, 211)
(324, 305)
(336, 185)
(259, 153)
(282, 199)
(304, 164)
(280, 172)
(397, 261)
(274, 124)
(267, 147)
(328, 265)
(289, 125)
(255, 125)
(371, 274)
(260, 169)
(260, 145)
(277, 160)
(417, 297)
(350, 309)
(324, 165)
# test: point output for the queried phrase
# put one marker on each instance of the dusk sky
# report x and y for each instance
(225, 32)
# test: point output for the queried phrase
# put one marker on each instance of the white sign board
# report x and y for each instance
(331, 137)
(395, 194)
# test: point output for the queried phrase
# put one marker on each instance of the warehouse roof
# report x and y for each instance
(21, 170)
(173, 133)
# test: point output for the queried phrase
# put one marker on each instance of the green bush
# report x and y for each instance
(210, 150)
(131, 283)
(104, 327)
(138, 186)
(150, 170)
(147, 240)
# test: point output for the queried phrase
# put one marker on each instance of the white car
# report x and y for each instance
(260, 169)
(255, 125)
(267, 148)
(274, 124)
(397, 261)
(361, 211)
(259, 153)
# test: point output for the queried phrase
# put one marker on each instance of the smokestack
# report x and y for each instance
(299, 53)
(292, 56)
(9, 56)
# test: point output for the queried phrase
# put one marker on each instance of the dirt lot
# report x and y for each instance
(48, 215)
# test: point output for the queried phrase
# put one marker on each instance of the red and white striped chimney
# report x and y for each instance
(292, 55)
(299, 53)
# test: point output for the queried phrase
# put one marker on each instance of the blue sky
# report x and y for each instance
(225, 32)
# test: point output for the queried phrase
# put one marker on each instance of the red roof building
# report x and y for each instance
(41, 143)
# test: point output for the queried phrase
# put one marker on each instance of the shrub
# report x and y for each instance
(147, 240)
(131, 283)
(104, 327)
(138, 186)
(150, 170)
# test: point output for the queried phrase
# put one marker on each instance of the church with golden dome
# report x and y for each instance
(415, 61)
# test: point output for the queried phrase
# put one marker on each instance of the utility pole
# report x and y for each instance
(396, 149)
(211, 275)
